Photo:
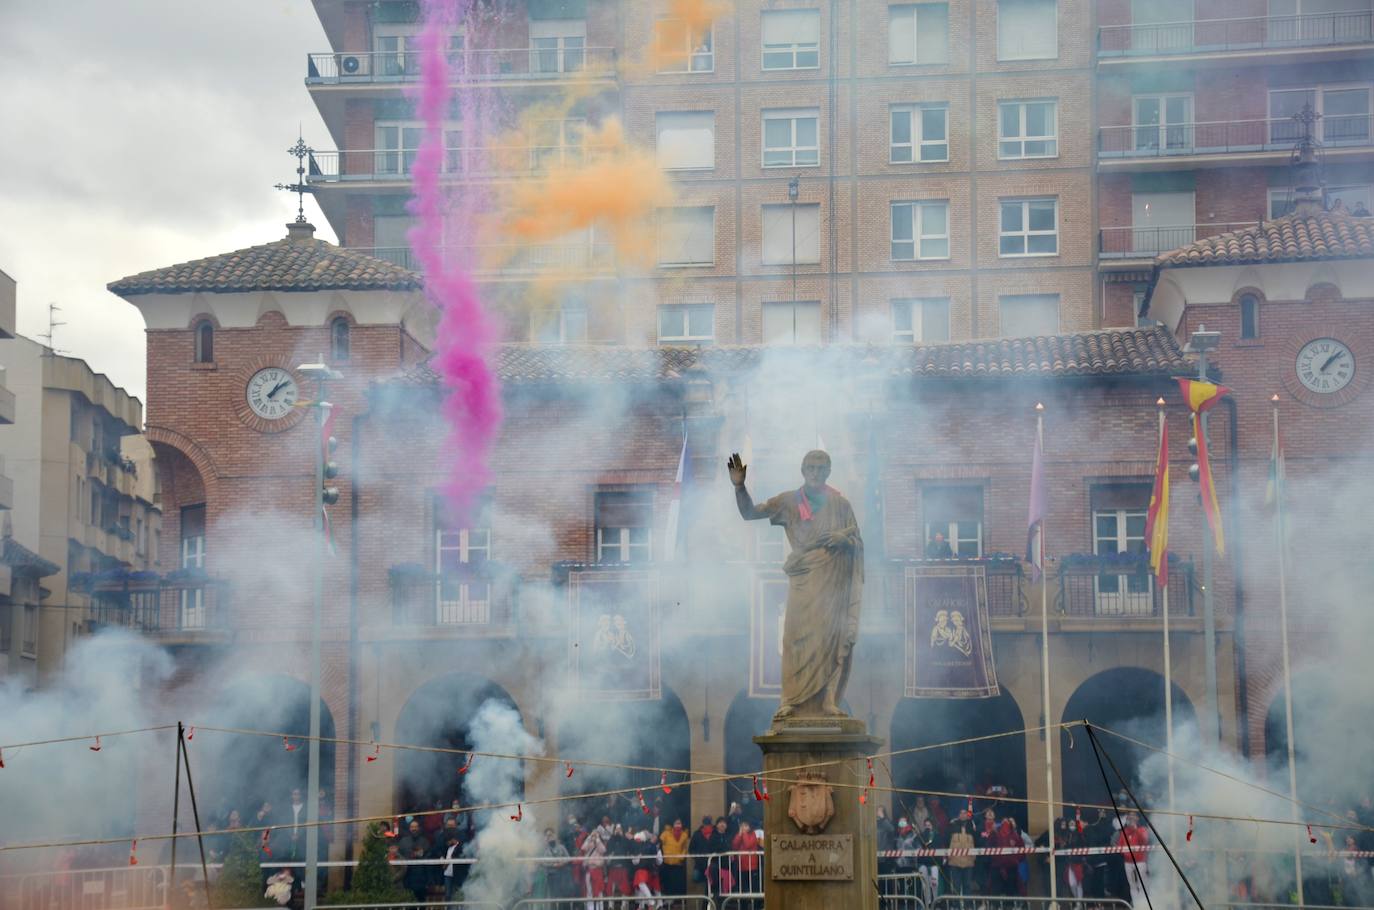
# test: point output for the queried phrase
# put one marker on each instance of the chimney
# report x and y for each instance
(300, 230)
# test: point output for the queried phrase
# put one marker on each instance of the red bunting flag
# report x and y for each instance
(1078, 818)
(267, 842)
(96, 747)
(663, 782)
(191, 735)
(133, 853)
(466, 765)
(519, 813)
(639, 794)
(376, 753)
(761, 793)
(1189, 838)
(1310, 836)
(288, 745)
(570, 768)
(2, 758)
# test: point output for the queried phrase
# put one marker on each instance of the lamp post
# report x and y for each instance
(1200, 342)
(793, 191)
(322, 374)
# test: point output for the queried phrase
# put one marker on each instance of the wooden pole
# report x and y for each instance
(195, 811)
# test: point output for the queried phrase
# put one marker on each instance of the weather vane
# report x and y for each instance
(300, 151)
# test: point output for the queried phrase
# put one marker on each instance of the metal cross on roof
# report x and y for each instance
(300, 151)
(1307, 118)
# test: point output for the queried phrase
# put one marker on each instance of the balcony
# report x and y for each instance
(1190, 144)
(1296, 36)
(1006, 580)
(1149, 242)
(487, 65)
(184, 602)
(1121, 587)
(476, 603)
(397, 165)
(515, 259)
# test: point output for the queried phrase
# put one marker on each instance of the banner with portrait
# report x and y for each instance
(613, 633)
(948, 639)
(767, 606)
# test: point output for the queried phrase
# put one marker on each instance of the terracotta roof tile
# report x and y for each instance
(290, 264)
(1292, 238)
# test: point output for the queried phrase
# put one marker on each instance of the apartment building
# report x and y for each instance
(868, 171)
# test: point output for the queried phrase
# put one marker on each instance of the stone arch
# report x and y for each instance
(162, 437)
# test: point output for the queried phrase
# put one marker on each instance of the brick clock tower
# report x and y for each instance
(235, 457)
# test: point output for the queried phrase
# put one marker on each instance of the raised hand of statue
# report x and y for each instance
(737, 469)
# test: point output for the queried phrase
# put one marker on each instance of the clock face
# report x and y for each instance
(1325, 365)
(272, 393)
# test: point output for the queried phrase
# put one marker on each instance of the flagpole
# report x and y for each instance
(1049, 728)
(1283, 633)
(1168, 661)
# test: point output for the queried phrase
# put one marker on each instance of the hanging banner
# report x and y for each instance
(613, 629)
(767, 605)
(948, 639)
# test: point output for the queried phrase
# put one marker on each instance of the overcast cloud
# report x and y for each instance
(140, 133)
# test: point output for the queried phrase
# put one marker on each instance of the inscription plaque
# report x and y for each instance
(812, 857)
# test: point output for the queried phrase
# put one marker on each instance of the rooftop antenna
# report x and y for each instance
(300, 151)
(53, 323)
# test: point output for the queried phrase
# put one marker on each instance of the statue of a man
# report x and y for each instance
(825, 586)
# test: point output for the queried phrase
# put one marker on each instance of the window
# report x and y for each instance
(918, 132)
(682, 48)
(1027, 29)
(1354, 197)
(558, 142)
(460, 555)
(1162, 122)
(790, 138)
(557, 45)
(788, 323)
(686, 235)
(567, 324)
(624, 527)
(140, 541)
(918, 33)
(338, 338)
(1119, 527)
(791, 229)
(1028, 315)
(686, 140)
(1249, 316)
(1028, 129)
(920, 230)
(397, 142)
(956, 513)
(192, 612)
(1344, 110)
(397, 48)
(1029, 227)
(791, 39)
(916, 319)
(687, 323)
(1161, 221)
(204, 342)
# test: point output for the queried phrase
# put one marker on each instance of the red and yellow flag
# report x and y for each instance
(1157, 519)
(1201, 396)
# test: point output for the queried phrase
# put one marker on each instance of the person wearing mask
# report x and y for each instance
(986, 838)
(928, 867)
(594, 868)
(906, 856)
(700, 846)
(551, 877)
(674, 872)
(646, 863)
(959, 865)
(719, 845)
(619, 858)
(414, 845)
(1002, 871)
(746, 846)
(887, 842)
(1135, 839)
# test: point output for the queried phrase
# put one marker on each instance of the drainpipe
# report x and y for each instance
(355, 449)
(1238, 575)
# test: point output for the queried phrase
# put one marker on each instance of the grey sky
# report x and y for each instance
(142, 133)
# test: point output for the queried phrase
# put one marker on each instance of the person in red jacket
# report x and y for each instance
(1136, 839)
(746, 845)
(1003, 865)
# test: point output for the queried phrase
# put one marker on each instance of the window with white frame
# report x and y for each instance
(1029, 227)
(557, 143)
(390, 239)
(792, 322)
(461, 552)
(1162, 221)
(918, 33)
(1119, 511)
(792, 233)
(687, 323)
(791, 39)
(558, 45)
(1353, 196)
(1027, 29)
(791, 138)
(397, 143)
(918, 132)
(681, 47)
(1027, 315)
(686, 140)
(1344, 112)
(192, 612)
(564, 324)
(1028, 129)
(1163, 122)
(920, 230)
(624, 526)
(396, 47)
(956, 514)
(918, 319)
(687, 235)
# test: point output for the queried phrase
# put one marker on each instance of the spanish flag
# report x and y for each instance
(1201, 396)
(1157, 519)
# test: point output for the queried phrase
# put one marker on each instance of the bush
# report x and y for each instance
(240, 881)
(373, 881)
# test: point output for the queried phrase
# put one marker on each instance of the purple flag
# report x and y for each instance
(1035, 530)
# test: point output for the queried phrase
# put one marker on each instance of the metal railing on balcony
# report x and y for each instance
(1005, 575)
(520, 64)
(513, 258)
(1250, 33)
(177, 602)
(398, 164)
(1136, 242)
(1277, 134)
(1121, 586)
(481, 599)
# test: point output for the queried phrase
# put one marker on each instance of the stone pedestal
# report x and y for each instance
(829, 866)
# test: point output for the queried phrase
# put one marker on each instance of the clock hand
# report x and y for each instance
(281, 385)
(1332, 359)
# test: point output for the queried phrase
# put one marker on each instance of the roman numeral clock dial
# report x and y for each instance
(272, 393)
(1325, 366)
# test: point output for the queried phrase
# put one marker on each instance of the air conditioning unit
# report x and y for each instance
(350, 65)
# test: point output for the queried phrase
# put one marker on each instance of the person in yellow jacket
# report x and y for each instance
(673, 874)
(959, 863)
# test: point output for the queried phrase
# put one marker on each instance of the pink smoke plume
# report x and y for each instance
(466, 332)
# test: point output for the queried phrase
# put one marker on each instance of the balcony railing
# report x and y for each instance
(521, 64)
(1134, 242)
(1228, 136)
(1121, 586)
(398, 164)
(177, 602)
(480, 599)
(1006, 591)
(513, 258)
(1258, 32)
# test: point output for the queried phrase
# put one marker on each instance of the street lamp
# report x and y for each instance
(322, 374)
(1201, 342)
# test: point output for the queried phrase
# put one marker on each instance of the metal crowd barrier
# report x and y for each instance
(686, 901)
(124, 887)
(980, 901)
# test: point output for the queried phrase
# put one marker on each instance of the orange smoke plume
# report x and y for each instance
(685, 29)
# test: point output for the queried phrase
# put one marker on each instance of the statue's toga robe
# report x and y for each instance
(824, 591)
